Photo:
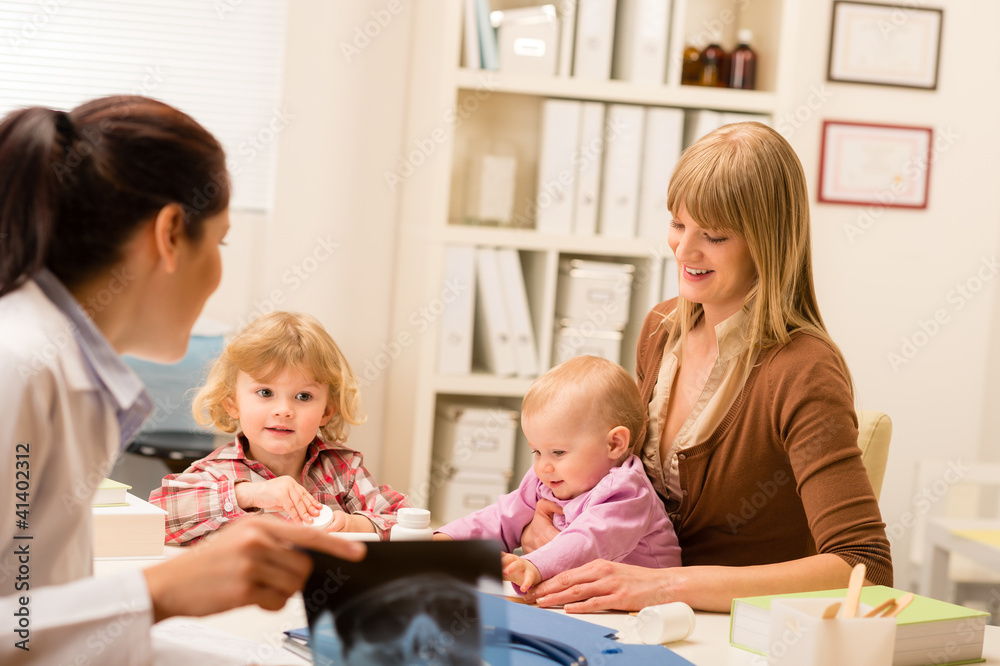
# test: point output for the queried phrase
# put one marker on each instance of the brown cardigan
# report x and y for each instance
(781, 477)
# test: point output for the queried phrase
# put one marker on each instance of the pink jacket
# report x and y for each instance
(621, 519)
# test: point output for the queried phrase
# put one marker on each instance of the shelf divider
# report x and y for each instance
(686, 97)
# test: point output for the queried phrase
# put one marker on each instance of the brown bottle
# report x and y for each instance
(691, 66)
(713, 63)
(743, 63)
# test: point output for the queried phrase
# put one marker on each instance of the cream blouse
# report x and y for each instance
(725, 381)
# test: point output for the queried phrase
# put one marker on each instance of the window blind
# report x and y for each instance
(218, 60)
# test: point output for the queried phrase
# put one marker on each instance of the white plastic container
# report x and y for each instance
(665, 623)
(528, 40)
(412, 525)
(469, 437)
(466, 492)
(594, 293)
(570, 340)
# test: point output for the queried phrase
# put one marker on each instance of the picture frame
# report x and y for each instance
(872, 164)
(889, 45)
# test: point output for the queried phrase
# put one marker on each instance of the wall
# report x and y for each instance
(884, 274)
(877, 288)
(328, 247)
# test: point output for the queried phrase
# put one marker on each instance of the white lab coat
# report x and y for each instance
(55, 413)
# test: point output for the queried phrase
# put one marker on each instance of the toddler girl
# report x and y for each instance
(286, 389)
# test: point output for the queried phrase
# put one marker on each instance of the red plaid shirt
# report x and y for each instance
(203, 498)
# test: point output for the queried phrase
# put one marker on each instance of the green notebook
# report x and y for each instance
(110, 493)
(929, 632)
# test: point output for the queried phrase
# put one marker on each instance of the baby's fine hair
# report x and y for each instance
(263, 350)
(610, 391)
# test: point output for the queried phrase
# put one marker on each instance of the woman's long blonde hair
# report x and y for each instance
(745, 179)
(267, 347)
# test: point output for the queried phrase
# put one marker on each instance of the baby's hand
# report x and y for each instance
(281, 494)
(520, 571)
(345, 522)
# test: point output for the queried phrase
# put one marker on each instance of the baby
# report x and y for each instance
(579, 418)
(286, 389)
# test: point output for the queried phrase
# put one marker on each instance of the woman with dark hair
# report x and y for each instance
(111, 217)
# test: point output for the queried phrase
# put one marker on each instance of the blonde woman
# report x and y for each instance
(286, 390)
(751, 437)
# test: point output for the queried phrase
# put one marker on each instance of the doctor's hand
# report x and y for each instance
(280, 494)
(540, 530)
(251, 561)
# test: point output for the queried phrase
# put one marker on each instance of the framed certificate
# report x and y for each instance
(890, 45)
(885, 165)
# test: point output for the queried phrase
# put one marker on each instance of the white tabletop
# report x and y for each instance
(940, 542)
(258, 634)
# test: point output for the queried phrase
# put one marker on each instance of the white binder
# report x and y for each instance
(671, 280)
(595, 32)
(661, 150)
(471, 25)
(523, 335)
(556, 193)
(730, 117)
(698, 123)
(622, 161)
(590, 154)
(641, 41)
(455, 335)
(487, 36)
(494, 346)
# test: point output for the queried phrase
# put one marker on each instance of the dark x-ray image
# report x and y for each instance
(405, 603)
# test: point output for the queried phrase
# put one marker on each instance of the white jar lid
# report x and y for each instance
(324, 518)
(414, 518)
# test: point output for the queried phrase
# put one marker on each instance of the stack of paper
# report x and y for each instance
(136, 529)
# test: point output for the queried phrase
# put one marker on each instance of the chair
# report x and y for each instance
(170, 439)
(874, 433)
(956, 489)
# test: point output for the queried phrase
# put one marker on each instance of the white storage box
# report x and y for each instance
(473, 437)
(528, 40)
(466, 492)
(571, 340)
(597, 293)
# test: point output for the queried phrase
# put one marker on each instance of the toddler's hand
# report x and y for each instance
(283, 493)
(520, 571)
(341, 522)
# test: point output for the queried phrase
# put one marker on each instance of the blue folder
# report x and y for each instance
(595, 642)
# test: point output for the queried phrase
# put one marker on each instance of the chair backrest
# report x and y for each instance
(874, 433)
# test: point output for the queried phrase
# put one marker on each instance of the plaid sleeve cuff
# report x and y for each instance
(228, 506)
(383, 523)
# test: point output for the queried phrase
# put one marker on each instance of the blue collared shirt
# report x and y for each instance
(115, 379)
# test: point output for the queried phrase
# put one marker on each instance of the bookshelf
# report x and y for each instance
(455, 109)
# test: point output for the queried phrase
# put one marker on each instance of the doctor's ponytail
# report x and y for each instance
(75, 186)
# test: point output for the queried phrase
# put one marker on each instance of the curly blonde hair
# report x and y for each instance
(267, 347)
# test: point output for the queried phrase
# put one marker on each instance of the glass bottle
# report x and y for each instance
(713, 59)
(691, 65)
(743, 63)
